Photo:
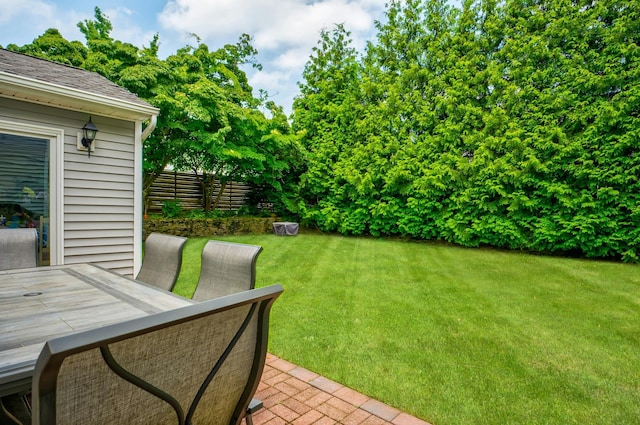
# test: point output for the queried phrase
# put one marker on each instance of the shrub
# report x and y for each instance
(172, 209)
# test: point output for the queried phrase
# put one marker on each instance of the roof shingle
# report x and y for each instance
(63, 75)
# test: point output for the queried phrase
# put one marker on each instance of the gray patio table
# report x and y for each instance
(40, 303)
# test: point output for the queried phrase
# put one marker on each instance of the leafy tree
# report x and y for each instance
(52, 46)
(214, 119)
(574, 104)
(141, 72)
(407, 86)
(113, 58)
(327, 113)
(277, 181)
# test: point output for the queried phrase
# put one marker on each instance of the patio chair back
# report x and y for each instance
(226, 268)
(199, 364)
(18, 248)
(162, 260)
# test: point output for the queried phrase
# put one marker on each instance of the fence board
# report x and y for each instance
(174, 185)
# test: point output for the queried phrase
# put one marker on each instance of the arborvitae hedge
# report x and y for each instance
(512, 124)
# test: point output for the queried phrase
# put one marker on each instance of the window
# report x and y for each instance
(25, 186)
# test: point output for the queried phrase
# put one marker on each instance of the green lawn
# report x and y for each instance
(453, 335)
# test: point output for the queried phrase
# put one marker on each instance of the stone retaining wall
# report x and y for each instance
(203, 227)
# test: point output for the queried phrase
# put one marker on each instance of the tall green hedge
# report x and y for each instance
(512, 124)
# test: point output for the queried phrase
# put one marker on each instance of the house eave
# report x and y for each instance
(44, 93)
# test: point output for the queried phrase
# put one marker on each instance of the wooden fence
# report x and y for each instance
(174, 185)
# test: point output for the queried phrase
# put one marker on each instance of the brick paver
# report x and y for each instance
(294, 395)
(380, 409)
(351, 396)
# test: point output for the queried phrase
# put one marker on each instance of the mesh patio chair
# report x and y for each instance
(226, 268)
(18, 248)
(197, 365)
(162, 260)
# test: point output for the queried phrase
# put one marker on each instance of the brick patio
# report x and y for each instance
(293, 395)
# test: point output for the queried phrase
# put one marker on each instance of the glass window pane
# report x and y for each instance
(24, 184)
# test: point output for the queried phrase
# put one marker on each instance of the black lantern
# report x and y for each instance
(89, 132)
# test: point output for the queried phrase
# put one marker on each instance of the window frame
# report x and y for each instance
(55, 136)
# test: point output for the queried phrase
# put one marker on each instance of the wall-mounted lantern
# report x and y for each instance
(88, 135)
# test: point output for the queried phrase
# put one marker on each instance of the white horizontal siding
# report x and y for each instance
(113, 242)
(115, 199)
(101, 188)
(99, 220)
(80, 233)
(98, 191)
(94, 169)
(98, 185)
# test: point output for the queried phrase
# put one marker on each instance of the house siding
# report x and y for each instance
(99, 192)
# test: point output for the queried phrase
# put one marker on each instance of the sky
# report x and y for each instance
(283, 31)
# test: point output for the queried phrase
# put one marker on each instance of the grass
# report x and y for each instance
(455, 335)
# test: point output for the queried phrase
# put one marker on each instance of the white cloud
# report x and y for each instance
(272, 23)
(270, 78)
(293, 58)
(22, 21)
(300, 26)
(283, 31)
